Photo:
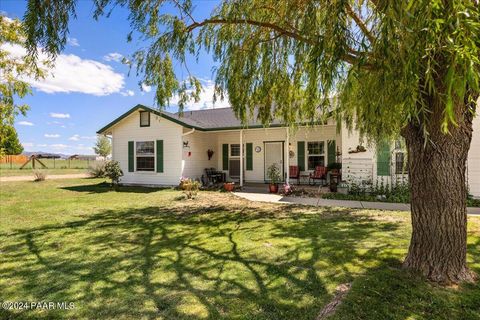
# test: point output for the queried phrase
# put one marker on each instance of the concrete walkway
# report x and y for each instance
(275, 198)
(49, 177)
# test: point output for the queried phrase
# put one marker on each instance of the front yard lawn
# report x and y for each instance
(142, 253)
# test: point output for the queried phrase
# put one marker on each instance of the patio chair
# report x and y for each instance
(294, 173)
(213, 175)
(320, 173)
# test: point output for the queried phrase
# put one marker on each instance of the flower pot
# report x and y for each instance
(228, 186)
(273, 188)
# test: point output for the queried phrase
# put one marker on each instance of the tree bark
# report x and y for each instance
(437, 168)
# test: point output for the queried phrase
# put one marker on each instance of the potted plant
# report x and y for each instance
(229, 186)
(334, 167)
(273, 174)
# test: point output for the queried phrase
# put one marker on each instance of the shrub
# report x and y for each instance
(273, 173)
(39, 176)
(190, 187)
(97, 169)
(113, 171)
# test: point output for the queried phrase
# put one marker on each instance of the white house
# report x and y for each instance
(158, 148)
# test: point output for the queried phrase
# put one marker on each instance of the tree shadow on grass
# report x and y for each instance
(103, 187)
(190, 263)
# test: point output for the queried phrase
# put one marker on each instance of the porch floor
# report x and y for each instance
(251, 187)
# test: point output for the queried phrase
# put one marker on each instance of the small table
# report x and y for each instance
(304, 177)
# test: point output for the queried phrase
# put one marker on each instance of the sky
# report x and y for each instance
(89, 86)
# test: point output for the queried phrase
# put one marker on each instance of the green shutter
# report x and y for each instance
(159, 155)
(332, 151)
(301, 155)
(249, 156)
(225, 156)
(131, 157)
(383, 158)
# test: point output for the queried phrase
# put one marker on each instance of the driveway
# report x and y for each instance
(49, 177)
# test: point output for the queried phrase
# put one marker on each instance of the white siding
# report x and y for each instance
(194, 157)
(129, 129)
(258, 136)
(474, 160)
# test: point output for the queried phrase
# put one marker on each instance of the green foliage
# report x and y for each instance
(273, 174)
(113, 172)
(97, 169)
(386, 61)
(12, 34)
(103, 146)
(9, 143)
(190, 187)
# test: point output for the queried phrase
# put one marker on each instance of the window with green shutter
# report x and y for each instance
(159, 155)
(383, 158)
(249, 156)
(332, 151)
(131, 157)
(225, 156)
(301, 155)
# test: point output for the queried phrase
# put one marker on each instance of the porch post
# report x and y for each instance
(241, 158)
(287, 157)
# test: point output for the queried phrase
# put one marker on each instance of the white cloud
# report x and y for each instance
(59, 146)
(146, 88)
(25, 123)
(127, 93)
(73, 42)
(114, 56)
(48, 135)
(89, 137)
(59, 116)
(42, 145)
(27, 144)
(75, 137)
(206, 98)
(73, 74)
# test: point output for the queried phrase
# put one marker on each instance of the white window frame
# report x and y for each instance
(324, 154)
(147, 155)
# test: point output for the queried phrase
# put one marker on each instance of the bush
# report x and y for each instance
(190, 187)
(97, 169)
(113, 171)
(39, 176)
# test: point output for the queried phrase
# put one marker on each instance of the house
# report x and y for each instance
(158, 148)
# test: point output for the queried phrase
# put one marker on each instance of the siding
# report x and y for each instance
(474, 160)
(160, 129)
(258, 136)
(193, 166)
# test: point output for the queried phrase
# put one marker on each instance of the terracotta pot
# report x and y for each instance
(273, 188)
(228, 186)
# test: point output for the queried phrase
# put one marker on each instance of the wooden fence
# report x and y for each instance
(18, 159)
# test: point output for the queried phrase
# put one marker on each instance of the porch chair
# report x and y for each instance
(320, 173)
(294, 173)
(212, 175)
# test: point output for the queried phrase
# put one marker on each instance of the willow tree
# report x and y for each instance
(407, 68)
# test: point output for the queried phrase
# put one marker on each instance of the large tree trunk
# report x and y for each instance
(437, 168)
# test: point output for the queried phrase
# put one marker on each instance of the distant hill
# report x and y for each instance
(46, 154)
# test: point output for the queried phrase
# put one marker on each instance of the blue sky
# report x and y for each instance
(91, 86)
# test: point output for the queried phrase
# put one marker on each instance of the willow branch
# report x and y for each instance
(347, 57)
(359, 23)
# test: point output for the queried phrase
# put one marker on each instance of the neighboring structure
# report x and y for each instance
(158, 148)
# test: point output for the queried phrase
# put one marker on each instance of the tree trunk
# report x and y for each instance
(437, 167)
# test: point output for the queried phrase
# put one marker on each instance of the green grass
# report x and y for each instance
(142, 253)
(52, 164)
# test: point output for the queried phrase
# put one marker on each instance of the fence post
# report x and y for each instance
(11, 162)
(68, 163)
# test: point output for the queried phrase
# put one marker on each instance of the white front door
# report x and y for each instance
(274, 155)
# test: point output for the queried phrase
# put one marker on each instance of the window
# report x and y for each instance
(316, 154)
(234, 150)
(145, 155)
(144, 119)
(400, 164)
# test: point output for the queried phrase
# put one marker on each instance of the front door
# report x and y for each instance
(274, 155)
